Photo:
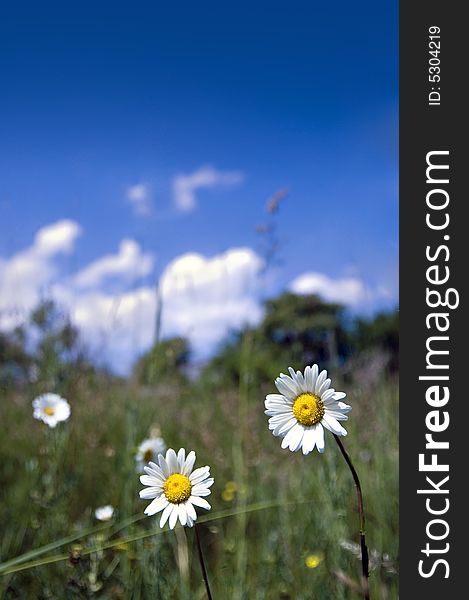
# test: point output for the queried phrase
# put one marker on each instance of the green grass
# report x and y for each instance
(286, 506)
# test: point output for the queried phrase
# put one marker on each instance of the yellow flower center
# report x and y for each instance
(49, 411)
(308, 409)
(148, 455)
(177, 488)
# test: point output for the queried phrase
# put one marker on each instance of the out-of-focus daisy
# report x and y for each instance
(306, 404)
(51, 408)
(175, 488)
(148, 451)
(104, 513)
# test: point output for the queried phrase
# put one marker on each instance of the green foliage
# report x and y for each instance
(166, 359)
(382, 331)
(271, 508)
(15, 361)
(52, 481)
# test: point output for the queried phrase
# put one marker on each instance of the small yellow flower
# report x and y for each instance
(231, 486)
(313, 560)
(227, 496)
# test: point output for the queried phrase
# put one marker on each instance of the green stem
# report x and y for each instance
(361, 514)
(202, 562)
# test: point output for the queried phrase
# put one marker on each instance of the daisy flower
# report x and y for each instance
(175, 488)
(51, 409)
(148, 451)
(305, 405)
(104, 513)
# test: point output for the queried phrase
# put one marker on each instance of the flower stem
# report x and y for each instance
(202, 562)
(361, 514)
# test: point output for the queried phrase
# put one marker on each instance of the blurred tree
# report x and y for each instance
(296, 331)
(380, 332)
(15, 361)
(166, 359)
(46, 351)
(58, 354)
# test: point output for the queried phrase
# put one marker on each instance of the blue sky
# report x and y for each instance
(104, 103)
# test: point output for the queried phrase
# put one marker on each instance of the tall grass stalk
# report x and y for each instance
(240, 471)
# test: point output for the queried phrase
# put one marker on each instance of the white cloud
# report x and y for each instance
(27, 274)
(115, 327)
(204, 298)
(139, 197)
(186, 186)
(56, 238)
(129, 264)
(350, 291)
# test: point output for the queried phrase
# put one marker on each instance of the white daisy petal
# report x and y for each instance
(314, 377)
(333, 425)
(173, 517)
(189, 464)
(182, 514)
(282, 430)
(156, 473)
(172, 461)
(284, 411)
(328, 396)
(309, 440)
(149, 480)
(345, 407)
(279, 401)
(190, 522)
(339, 395)
(309, 379)
(157, 505)
(277, 420)
(278, 404)
(300, 380)
(319, 381)
(281, 418)
(181, 459)
(295, 442)
(320, 437)
(150, 492)
(163, 465)
(200, 502)
(337, 415)
(201, 490)
(191, 514)
(288, 391)
(275, 398)
(165, 515)
(324, 387)
(293, 438)
(199, 474)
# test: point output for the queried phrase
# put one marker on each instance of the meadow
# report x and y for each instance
(282, 525)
